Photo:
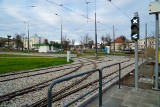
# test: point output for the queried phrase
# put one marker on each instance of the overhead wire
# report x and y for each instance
(118, 8)
(67, 8)
(76, 12)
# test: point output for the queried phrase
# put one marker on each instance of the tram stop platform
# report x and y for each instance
(128, 97)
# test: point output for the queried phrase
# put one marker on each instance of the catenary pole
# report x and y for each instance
(146, 41)
(156, 48)
(96, 54)
(114, 38)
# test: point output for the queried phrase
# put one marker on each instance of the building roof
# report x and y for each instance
(35, 36)
(118, 40)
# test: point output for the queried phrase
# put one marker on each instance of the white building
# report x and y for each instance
(35, 39)
(46, 48)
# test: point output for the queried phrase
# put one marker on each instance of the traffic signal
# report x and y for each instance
(135, 28)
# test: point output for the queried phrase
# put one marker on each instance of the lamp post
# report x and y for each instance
(28, 33)
(87, 9)
(61, 30)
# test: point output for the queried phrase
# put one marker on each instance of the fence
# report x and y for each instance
(78, 75)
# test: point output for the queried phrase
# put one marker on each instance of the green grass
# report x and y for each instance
(15, 64)
(102, 53)
(12, 55)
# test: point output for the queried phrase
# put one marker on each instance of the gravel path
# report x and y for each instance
(32, 97)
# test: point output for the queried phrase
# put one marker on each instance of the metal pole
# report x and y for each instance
(136, 59)
(156, 52)
(119, 75)
(100, 88)
(61, 33)
(87, 9)
(28, 33)
(28, 38)
(146, 36)
(146, 40)
(95, 32)
(136, 65)
(142, 56)
(61, 30)
(8, 41)
(114, 37)
(68, 44)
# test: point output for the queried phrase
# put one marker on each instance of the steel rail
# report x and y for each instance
(8, 96)
(43, 102)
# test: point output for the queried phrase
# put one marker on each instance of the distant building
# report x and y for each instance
(119, 45)
(46, 48)
(35, 39)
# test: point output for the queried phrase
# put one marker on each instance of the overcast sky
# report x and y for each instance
(43, 21)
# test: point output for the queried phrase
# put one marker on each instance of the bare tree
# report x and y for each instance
(90, 43)
(108, 39)
(2, 41)
(103, 40)
(64, 38)
(18, 39)
(85, 40)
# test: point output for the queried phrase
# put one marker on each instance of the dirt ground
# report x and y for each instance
(145, 72)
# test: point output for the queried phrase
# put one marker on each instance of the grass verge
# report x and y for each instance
(15, 64)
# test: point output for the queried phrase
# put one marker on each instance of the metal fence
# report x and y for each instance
(78, 75)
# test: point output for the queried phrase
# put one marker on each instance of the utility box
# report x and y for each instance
(154, 7)
(107, 49)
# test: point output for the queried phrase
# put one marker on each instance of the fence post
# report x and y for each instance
(50, 93)
(100, 88)
(119, 75)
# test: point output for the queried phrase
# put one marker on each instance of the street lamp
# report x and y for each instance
(87, 9)
(28, 34)
(61, 30)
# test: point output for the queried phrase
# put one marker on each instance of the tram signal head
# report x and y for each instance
(135, 28)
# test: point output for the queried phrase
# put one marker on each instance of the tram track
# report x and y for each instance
(40, 86)
(58, 95)
(38, 72)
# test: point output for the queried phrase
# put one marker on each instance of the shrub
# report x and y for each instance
(150, 53)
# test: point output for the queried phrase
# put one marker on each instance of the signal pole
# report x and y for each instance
(135, 37)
